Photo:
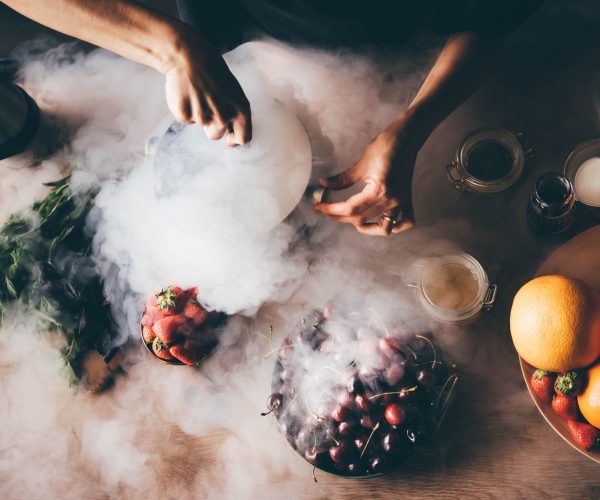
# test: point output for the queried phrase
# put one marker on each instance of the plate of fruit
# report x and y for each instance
(176, 329)
(356, 400)
(555, 327)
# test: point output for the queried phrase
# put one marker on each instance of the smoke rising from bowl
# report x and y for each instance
(158, 416)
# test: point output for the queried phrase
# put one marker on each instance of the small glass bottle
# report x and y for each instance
(551, 208)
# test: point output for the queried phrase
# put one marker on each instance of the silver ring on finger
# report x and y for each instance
(391, 219)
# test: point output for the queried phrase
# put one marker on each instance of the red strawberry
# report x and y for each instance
(160, 349)
(171, 328)
(584, 434)
(166, 301)
(568, 383)
(190, 352)
(195, 312)
(542, 384)
(148, 334)
(566, 406)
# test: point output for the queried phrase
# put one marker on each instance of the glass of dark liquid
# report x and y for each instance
(551, 208)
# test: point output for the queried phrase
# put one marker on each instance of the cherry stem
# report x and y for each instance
(454, 379)
(265, 413)
(337, 443)
(312, 413)
(412, 352)
(369, 439)
(313, 473)
(411, 389)
(432, 347)
(279, 349)
(333, 369)
(376, 314)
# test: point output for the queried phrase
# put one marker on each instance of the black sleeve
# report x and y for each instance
(491, 18)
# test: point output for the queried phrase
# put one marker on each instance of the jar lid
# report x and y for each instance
(488, 160)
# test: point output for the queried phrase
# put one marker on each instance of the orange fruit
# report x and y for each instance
(589, 399)
(555, 323)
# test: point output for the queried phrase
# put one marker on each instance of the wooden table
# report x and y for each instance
(494, 443)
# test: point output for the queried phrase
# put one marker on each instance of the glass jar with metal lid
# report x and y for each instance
(489, 160)
(454, 288)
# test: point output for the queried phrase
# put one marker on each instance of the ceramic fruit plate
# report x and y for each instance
(579, 258)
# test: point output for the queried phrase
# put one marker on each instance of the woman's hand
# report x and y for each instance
(200, 89)
(386, 167)
(387, 164)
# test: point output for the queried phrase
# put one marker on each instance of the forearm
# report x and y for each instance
(461, 66)
(124, 27)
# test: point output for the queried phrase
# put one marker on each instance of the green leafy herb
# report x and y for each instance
(45, 265)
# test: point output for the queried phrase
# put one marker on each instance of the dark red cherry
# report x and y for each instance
(304, 439)
(367, 422)
(315, 456)
(389, 346)
(275, 402)
(360, 442)
(344, 453)
(348, 428)
(391, 442)
(394, 373)
(426, 377)
(355, 468)
(355, 385)
(377, 464)
(395, 414)
(342, 412)
(362, 402)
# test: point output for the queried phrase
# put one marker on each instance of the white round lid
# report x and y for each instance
(258, 184)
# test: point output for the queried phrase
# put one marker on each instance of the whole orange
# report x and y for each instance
(555, 323)
(589, 399)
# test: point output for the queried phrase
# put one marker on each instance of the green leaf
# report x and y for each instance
(165, 299)
(16, 225)
(59, 182)
(12, 292)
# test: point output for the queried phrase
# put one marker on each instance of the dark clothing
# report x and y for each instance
(228, 23)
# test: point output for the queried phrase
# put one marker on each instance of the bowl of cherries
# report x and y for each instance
(176, 329)
(358, 400)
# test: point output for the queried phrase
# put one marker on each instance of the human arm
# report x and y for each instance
(198, 84)
(387, 163)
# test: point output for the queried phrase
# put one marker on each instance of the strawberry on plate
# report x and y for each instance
(568, 383)
(584, 434)
(170, 329)
(161, 349)
(566, 406)
(189, 352)
(542, 384)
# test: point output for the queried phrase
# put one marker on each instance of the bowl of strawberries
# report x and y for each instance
(177, 329)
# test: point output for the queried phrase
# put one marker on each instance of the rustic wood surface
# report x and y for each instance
(494, 443)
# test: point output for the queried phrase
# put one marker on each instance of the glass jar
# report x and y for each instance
(454, 288)
(581, 156)
(551, 208)
(489, 160)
